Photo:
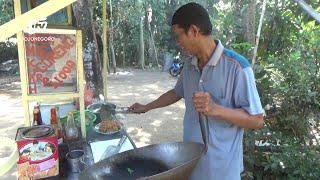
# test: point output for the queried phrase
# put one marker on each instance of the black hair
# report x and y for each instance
(25, 151)
(193, 14)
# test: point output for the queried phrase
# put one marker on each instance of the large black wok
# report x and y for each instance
(160, 161)
(167, 161)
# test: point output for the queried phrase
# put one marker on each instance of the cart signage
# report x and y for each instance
(51, 64)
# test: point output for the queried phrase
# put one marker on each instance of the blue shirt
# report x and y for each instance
(229, 79)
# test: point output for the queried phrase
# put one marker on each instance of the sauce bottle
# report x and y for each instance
(54, 121)
(37, 119)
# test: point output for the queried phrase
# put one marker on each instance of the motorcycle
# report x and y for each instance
(175, 69)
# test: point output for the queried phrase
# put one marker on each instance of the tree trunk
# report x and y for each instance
(250, 24)
(105, 64)
(113, 58)
(258, 32)
(153, 49)
(269, 31)
(171, 8)
(141, 45)
(124, 54)
(92, 65)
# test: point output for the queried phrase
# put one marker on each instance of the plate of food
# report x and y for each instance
(108, 127)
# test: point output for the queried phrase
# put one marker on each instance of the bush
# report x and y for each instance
(8, 50)
(289, 87)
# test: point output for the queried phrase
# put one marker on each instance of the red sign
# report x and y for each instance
(50, 63)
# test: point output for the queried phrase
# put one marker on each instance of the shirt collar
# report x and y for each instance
(214, 58)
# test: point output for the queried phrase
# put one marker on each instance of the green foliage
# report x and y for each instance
(6, 11)
(8, 50)
(288, 77)
(242, 48)
(126, 18)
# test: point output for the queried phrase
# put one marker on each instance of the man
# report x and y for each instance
(218, 83)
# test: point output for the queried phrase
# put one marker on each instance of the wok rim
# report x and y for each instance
(172, 169)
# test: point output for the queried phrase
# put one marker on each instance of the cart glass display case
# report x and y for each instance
(51, 63)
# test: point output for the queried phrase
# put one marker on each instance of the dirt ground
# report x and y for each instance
(124, 88)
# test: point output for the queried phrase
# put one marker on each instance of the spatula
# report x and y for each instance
(112, 149)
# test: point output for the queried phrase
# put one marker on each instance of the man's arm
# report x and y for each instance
(239, 117)
(204, 104)
(165, 99)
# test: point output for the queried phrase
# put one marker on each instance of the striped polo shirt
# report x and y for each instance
(230, 81)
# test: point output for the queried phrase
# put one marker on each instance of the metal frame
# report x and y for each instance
(53, 96)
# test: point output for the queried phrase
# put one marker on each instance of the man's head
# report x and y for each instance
(189, 23)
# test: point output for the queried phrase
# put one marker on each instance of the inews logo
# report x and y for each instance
(37, 27)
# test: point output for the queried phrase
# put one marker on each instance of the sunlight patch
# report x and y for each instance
(168, 112)
(156, 123)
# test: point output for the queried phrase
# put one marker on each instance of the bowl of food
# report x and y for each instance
(108, 127)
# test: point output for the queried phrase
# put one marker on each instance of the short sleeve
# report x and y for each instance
(245, 92)
(178, 89)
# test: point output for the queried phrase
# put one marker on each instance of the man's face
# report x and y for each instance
(185, 40)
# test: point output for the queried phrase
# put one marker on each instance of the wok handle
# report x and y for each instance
(204, 126)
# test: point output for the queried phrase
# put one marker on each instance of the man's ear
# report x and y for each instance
(194, 30)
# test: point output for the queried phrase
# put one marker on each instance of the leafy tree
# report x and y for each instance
(6, 11)
(8, 50)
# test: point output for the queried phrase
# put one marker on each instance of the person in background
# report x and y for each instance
(218, 83)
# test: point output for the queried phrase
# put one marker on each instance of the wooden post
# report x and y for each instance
(81, 82)
(22, 66)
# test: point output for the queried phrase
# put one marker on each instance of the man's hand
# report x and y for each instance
(203, 103)
(138, 108)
